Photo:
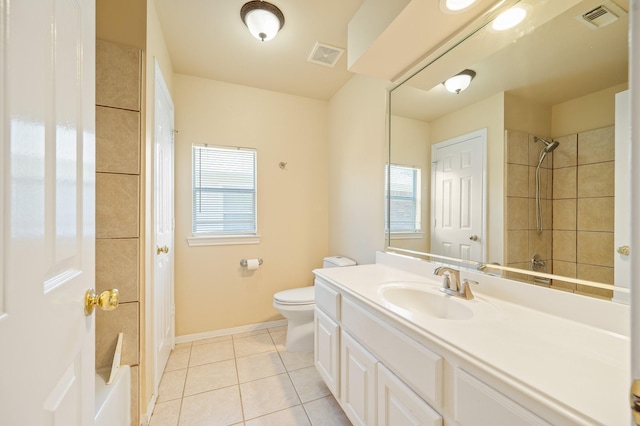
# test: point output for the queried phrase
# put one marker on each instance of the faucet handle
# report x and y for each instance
(465, 288)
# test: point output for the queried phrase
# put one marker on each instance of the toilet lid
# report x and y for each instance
(296, 296)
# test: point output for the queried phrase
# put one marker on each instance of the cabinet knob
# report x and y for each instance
(623, 250)
(163, 249)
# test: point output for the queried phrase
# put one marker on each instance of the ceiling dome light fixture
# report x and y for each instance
(460, 81)
(263, 19)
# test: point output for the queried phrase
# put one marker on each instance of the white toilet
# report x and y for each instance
(297, 305)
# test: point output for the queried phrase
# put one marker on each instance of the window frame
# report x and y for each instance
(226, 237)
(417, 231)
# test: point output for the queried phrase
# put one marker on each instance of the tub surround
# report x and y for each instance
(118, 198)
(561, 356)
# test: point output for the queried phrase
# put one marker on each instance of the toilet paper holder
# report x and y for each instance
(243, 262)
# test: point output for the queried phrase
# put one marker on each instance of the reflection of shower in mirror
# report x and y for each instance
(548, 147)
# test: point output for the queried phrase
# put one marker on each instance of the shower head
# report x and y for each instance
(548, 146)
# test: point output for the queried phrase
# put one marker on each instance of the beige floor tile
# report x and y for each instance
(211, 352)
(183, 345)
(172, 385)
(266, 396)
(220, 407)
(166, 413)
(279, 339)
(309, 384)
(252, 345)
(259, 366)
(179, 359)
(208, 377)
(296, 360)
(326, 412)
(294, 416)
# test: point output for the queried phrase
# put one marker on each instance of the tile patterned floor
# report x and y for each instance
(244, 379)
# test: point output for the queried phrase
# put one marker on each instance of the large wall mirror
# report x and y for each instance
(525, 172)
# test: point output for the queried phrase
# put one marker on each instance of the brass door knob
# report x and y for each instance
(107, 300)
(163, 249)
(623, 250)
(635, 401)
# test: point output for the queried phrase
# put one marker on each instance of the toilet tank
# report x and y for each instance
(337, 261)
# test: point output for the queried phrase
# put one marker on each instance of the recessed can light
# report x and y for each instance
(455, 5)
(509, 18)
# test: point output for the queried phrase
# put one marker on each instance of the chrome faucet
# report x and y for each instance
(451, 283)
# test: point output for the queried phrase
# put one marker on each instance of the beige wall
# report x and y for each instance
(410, 147)
(588, 112)
(488, 113)
(122, 21)
(357, 155)
(212, 291)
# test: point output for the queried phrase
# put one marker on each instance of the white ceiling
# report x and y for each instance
(207, 38)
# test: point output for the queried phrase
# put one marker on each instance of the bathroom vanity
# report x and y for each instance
(393, 349)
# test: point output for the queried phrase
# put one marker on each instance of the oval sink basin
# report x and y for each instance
(425, 300)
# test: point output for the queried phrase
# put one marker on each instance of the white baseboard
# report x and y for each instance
(187, 338)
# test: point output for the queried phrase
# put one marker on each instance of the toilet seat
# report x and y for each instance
(296, 296)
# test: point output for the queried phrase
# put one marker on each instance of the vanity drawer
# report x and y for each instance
(479, 404)
(416, 365)
(328, 300)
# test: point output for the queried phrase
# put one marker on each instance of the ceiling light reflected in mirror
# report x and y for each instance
(449, 6)
(460, 81)
(510, 18)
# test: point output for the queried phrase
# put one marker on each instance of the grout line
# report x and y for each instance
(235, 362)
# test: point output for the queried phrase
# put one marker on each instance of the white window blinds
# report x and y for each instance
(403, 199)
(224, 191)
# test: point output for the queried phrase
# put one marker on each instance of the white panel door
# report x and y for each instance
(163, 311)
(47, 74)
(458, 197)
(622, 234)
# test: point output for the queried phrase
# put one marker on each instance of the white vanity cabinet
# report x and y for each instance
(369, 391)
(382, 376)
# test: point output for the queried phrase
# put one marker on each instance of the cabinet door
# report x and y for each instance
(358, 384)
(326, 350)
(398, 405)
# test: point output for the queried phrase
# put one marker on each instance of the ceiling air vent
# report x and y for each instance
(603, 15)
(326, 55)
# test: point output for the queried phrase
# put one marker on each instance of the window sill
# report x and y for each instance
(406, 235)
(227, 240)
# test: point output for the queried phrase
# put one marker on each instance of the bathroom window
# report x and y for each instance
(224, 196)
(403, 199)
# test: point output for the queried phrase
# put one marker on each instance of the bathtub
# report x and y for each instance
(113, 402)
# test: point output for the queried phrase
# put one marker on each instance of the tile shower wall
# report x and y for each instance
(118, 121)
(578, 207)
(583, 208)
(522, 239)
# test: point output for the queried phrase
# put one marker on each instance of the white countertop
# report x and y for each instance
(581, 369)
